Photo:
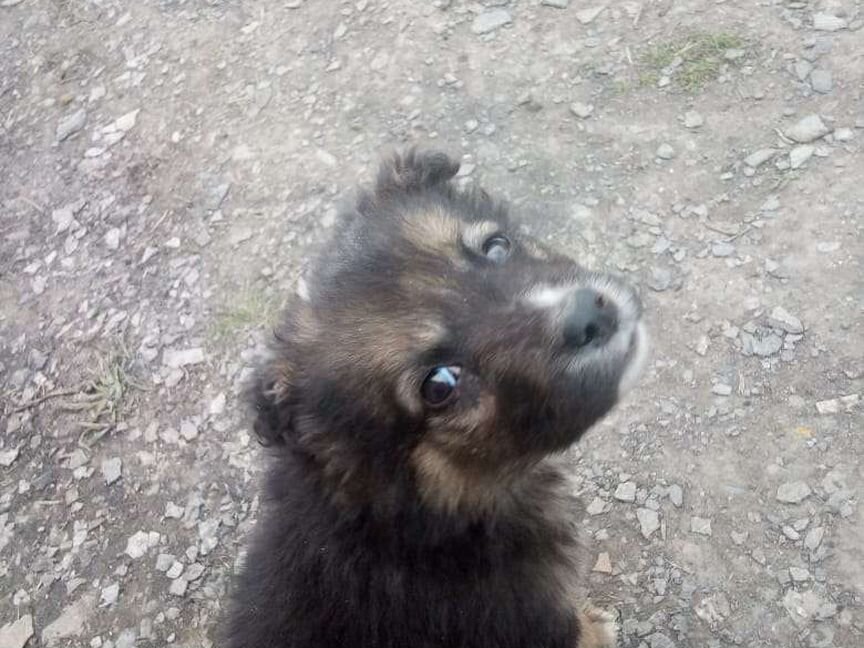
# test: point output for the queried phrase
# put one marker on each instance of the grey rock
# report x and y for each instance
(70, 623)
(660, 640)
(701, 526)
(176, 358)
(587, 15)
(799, 155)
(828, 22)
(712, 608)
(762, 344)
(676, 495)
(808, 129)
(783, 319)
(71, 124)
(649, 521)
(722, 249)
(188, 430)
(175, 570)
(109, 594)
(803, 68)
(581, 110)
(596, 507)
(693, 119)
(17, 633)
(807, 606)
(489, 21)
(844, 134)
(112, 238)
(126, 639)
(164, 562)
(760, 157)
(625, 492)
(178, 587)
(112, 470)
(8, 456)
(814, 538)
(821, 81)
(665, 152)
(721, 389)
(799, 574)
(140, 542)
(793, 492)
(558, 4)
(660, 279)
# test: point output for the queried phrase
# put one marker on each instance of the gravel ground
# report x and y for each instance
(166, 167)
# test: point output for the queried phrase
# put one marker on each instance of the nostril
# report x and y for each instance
(590, 319)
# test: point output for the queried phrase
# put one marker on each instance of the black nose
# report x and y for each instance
(590, 318)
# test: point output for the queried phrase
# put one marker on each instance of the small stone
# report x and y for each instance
(660, 279)
(126, 639)
(803, 68)
(489, 21)
(693, 119)
(808, 129)
(676, 495)
(603, 564)
(139, 543)
(17, 633)
(70, 623)
(738, 537)
(829, 406)
(174, 570)
(581, 110)
(649, 521)
(625, 492)
(8, 456)
(127, 121)
(722, 389)
(112, 238)
(699, 525)
(722, 249)
(71, 124)
(712, 608)
(111, 470)
(793, 492)
(587, 15)
(799, 574)
(188, 430)
(178, 587)
(828, 22)
(821, 81)
(176, 358)
(596, 507)
(665, 152)
(760, 157)
(558, 4)
(800, 154)
(843, 134)
(763, 344)
(660, 640)
(814, 538)
(164, 562)
(783, 319)
(471, 125)
(109, 594)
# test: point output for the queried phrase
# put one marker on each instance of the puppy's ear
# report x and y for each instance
(414, 171)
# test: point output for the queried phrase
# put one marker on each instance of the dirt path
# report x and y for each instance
(165, 168)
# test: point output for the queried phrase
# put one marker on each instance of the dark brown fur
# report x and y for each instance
(390, 524)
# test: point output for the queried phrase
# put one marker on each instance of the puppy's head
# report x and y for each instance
(439, 347)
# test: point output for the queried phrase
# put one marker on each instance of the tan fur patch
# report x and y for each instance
(434, 232)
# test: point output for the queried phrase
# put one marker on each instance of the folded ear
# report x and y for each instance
(414, 171)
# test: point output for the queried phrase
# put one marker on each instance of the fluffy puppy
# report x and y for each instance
(414, 401)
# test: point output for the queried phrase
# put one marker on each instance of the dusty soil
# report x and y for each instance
(167, 167)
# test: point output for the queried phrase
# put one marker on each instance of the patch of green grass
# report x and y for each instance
(243, 309)
(695, 60)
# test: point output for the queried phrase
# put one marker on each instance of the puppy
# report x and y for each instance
(414, 401)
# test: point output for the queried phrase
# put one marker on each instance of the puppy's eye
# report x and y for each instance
(496, 248)
(441, 386)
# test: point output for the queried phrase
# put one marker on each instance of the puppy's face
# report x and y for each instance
(436, 341)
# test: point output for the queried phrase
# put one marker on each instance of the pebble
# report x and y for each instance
(649, 521)
(793, 492)
(140, 542)
(596, 507)
(782, 319)
(844, 134)
(625, 492)
(71, 124)
(693, 119)
(808, 129)
(127, 121)
(803, 68)
(800, 154)
(807, 605)
(489, 21)
(821, 81)
(112, 238)
(581, 110)
(722, 249)
(8, 456)
(188, 430)
(676, 495)
(109, 594)
(799, 574)
(164, 562)
(712, 608)
(701, 526)
(558, 4)
(603, 564)
(17, 633)
(111, 470)
(176, 358)
(587, 15)
(721, 389)
(814, 538)
(665, 152)
(178, 587)
(763, 344)
(70, 623)
(760, 157)
(828, 22)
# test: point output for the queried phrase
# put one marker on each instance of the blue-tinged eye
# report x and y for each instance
(441, 386)
(497, 248)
